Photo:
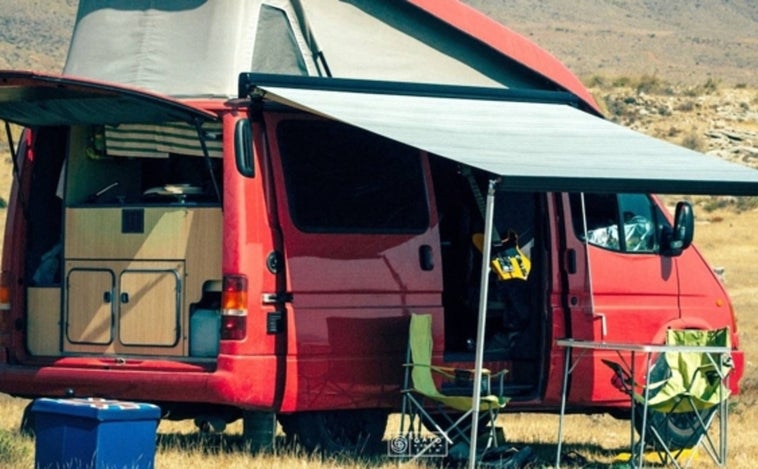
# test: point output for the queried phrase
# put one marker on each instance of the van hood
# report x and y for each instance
(33, 99)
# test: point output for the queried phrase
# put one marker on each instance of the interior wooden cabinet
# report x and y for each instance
(132, 268)
(140, 305)
(43, 333)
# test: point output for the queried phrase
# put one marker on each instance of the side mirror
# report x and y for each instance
(243, 148)
(678, 239)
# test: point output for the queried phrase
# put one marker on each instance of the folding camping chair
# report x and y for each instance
(448, 416)
(686, 390)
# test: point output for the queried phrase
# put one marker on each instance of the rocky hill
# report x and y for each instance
(34, 34)
(682, 41)
(711, 118)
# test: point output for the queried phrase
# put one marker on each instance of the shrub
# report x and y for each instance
(686, 106)
(693, 141)
(710, 86)
(596, 81)
(651, 84)
(622, 82)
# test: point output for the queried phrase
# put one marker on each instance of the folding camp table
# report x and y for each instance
(649, 350)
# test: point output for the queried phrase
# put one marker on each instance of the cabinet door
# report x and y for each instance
(89, 306)
(149, 307)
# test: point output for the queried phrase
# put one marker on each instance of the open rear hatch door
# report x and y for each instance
(32, 99)
(121, 289)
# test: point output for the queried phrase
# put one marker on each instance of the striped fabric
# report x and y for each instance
(157, 141)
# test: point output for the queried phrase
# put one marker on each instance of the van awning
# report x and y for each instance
(536, 141)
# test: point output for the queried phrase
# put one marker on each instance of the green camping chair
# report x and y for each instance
(686, 391)
(447, 416)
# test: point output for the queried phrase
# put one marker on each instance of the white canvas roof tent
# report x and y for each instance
(197, 48)
(189, 48)
(527, 141)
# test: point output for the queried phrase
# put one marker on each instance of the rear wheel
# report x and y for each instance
(678, 431)
(27, 421)
(337, 431)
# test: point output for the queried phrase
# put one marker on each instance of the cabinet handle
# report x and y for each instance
(125, 298)
(107, 296)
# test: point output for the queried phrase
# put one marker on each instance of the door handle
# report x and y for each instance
(426, 257)
(571, 261)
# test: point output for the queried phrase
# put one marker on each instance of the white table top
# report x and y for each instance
(645, 348)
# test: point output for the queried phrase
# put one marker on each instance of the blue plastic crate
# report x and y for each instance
(94, 433)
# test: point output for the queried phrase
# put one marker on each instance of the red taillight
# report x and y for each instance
(234, 307)
(233, 327)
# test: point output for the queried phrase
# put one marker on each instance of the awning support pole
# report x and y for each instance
(489, 216)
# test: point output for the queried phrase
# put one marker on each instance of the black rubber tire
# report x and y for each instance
(678, 431)
(337, 431)
(26, 427)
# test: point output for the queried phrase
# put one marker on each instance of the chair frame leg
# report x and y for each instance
(414, 410)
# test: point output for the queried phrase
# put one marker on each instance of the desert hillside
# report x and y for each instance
(682, 41)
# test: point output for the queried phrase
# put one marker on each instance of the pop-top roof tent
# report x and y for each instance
(187, 48)
(491, 106)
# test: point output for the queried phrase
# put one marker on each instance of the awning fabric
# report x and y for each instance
(534, 146)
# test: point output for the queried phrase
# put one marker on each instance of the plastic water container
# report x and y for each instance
(94, 433)
(205, 332)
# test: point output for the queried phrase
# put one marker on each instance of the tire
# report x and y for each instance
(259, 430)
(678, 431)
(337, 431)
(27, 425)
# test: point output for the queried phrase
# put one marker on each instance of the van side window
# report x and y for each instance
(619, 222)
(343, 179)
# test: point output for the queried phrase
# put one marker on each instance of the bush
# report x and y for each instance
(651, 84)
(686, 106)
(710, 86)
(693, 141)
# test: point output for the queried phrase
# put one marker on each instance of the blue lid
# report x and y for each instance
(97, 408)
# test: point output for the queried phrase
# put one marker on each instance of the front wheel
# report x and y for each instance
(337, 431)
(677, 430)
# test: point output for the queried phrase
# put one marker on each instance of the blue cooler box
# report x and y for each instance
(94, 433)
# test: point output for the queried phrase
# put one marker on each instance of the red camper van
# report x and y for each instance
(259, 255)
